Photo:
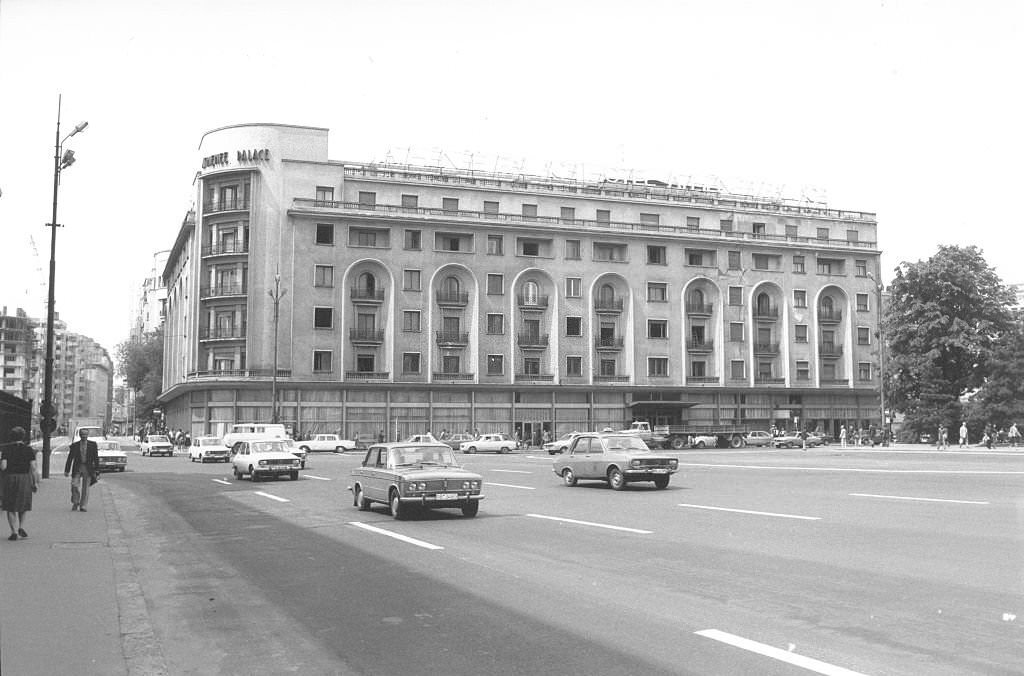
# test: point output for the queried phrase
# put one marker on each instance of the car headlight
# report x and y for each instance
(635, 464)
(673, 464)
(263, 463)
(466, 485)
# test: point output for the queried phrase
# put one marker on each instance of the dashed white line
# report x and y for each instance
(318, 478)
(222, 481)
(591, 523)
(905, 497)
(272, 497)
(786, 656)
(512, 471)
(750, 511)
(397, 536)
(857, 469)
(525, 488)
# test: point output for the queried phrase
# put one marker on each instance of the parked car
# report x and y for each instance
(263, 458)
(210, 449)
(498, 443)
(616, 458)
(794, 440)
(704, 441)
(292, 447)
(328, 443)
(561, 444)
(249, 431)
(111, 456)
(415, 475)
(758, 438)
(157, 444)
(455, 440)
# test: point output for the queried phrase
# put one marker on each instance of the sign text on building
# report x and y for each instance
(220, 159)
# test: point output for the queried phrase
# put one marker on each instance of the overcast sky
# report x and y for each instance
(912, 110)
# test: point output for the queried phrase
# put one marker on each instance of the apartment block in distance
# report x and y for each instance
(424, 298)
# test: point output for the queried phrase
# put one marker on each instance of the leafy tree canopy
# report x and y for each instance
(141, 364)
(1000, 400)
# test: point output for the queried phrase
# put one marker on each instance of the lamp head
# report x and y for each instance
(78, 127)
(68, 159)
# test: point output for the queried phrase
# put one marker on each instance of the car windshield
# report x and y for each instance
(108, 445)
(156, 438)
(626, 443)
(425, 455)
(210, 442)
(268, 447)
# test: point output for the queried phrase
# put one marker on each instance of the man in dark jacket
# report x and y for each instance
(83, 466)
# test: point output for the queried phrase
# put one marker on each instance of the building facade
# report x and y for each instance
(18, 347)
(151, 303)
(416, 298)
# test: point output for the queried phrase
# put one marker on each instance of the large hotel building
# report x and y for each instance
(417, 298)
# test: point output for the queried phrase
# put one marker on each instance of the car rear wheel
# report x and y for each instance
(234, 470)
(504, 449)
(569, 476)
(397, 511)
(700, 444)
(616, 479)
(471, 449)
(661, 482)
(471, 508)
(361, 503)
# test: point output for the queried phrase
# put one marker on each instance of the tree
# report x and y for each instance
(944, 319)
(1000, 400)
(141, 364)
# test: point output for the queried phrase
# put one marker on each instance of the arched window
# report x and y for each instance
(531, 292)
(764, 303)
(827, 305)
(697, 298)
(451, 286)
(367, 282)
(606, 293)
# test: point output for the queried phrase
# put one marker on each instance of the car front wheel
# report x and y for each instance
(396, 507)
(471, 508)
(471, 449)
(253, 476)
(700, 444)
(294, 476)
(616, 479)
(569, 476)
(234, 470)
(661, 482)
(361, 503)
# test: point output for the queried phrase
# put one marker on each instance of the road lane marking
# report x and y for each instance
(904, 497)
(748, 511)
(591, 523)
(855, 469)
(808, 663)
(525, 488)
(222, 481)
(318, 478)
(512, 471)
(397, 536)
(272, 497)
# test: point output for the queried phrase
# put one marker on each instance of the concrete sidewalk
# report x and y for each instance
(69, 599)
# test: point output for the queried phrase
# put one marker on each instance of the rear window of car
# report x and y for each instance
(156, 438)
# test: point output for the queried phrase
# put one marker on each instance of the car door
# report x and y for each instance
(584, 463)
(376, 474)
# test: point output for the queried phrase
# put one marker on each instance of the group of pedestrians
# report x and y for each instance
(991, 435)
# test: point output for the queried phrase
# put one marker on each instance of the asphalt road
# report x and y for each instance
(751, 562)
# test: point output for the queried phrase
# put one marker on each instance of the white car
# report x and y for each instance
(208, 449)
(249, 431)
(703, 441)
(157, 444)
(295, 450)
(328, 443)
(263, 458)
(111, 456)
(498, 443)
(561, 444)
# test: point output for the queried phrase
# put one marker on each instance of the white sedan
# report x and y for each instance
(497, 443)
(263, 458)
(561, 444)
(111, 456)
(210, 449)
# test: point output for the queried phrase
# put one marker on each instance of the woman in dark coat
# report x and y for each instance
(20, 481)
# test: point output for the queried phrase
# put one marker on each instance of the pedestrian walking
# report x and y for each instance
(943, 437)
(842, 436)
(20, 481)
(1013, 435)
(83, 466)
(963, 434)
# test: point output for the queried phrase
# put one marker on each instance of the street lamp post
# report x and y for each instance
(881, 360)
(277, 294)
(47, 410)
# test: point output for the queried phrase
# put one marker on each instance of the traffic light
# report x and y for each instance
(48, 425)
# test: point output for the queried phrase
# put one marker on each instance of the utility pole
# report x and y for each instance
(277, 294)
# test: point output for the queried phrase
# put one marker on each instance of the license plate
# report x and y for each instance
(658, 471)
(446, 496)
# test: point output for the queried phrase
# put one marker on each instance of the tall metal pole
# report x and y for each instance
(46, 409)
(881, 367)
(277, 294)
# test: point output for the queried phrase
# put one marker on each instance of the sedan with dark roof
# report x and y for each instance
(616, 458)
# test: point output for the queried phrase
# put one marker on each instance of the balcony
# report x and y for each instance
(830, 316)
(835, 382)
(610, 378)
(702, 380)
(608, 306)
(536, 303)
(766, 348)
(451, 338)
(367, 375)
(452, 376)
(536, 377)
(532, 341)
(452, 299)
(830, 350)
(366, 336)
(766, 313)
(700, 345)
(608, 343)
(699, 309)
(225, 205)
(222, 332)
(367, 296)
(229, 248)
(222, 290)
(769, 380)
(239, 374)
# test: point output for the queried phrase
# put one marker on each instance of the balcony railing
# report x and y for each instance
(605, 378)
(767, 313)
(830, 316)
(769, 380)
(458, 298)
(702, 380)
(225, 205)
(830, 350)
(238, 373)
(534, 303)
(540, 377)
(233, 289)
(367, 375)
(443, 375)
(608, 305)
(367, 295)
(699, 308)
(532, 340)
(366, 336)
(225, 248)
(451, 338)
(835, 382)
(608, 342)
(700, 345)
(221, 332)
(766, 348)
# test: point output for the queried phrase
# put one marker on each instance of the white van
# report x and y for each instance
(250, 431)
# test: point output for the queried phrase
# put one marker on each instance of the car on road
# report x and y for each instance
(794, 440)
(619, 459)
(262, 459)
(561, 444)
(409, 475)
(249, 431)
(703, 441)
(497, 443)
(208, 449)
(157, 444)
(326, 443)
(292, 447)
(112, 458)
(455, 440)
(757, 438)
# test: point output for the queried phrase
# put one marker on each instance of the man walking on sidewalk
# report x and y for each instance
(83, 466)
